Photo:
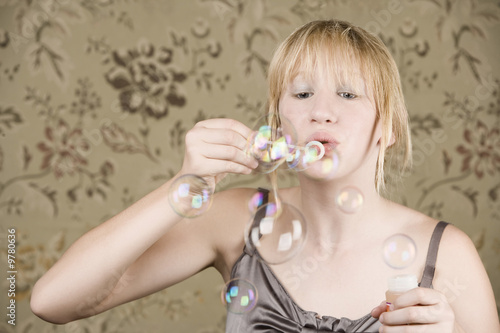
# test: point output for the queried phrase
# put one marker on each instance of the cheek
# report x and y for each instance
(291, 107)
(287, 116)
(290, 124)
(362, 129)
(284, 108)
(295, 115)
(289, 128)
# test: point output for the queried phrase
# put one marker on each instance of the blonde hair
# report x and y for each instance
(340, 45)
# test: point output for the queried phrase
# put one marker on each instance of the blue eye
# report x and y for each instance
(347, 95)
(303, 95)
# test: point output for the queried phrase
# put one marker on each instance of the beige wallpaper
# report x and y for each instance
(96, 96)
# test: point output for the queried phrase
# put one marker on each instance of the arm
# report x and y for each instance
(148, 246)
(462, 278)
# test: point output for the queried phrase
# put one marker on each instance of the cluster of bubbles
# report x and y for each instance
(278, 230)
(273, 146)
(190, 195)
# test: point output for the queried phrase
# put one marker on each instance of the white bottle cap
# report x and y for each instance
(402, 283)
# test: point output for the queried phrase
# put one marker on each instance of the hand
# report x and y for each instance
(216, 147)
(427, 310)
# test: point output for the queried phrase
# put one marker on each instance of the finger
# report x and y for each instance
(223, 144)
(216, 167)
(219, 144)
(410, 315)
(378, 310)
(419, 296)
(222, 123)
(236, 168)
(228, 153)
(217, 136)
(411, 329)
(223, 137)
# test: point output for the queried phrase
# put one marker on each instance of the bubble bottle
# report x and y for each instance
(398, 285)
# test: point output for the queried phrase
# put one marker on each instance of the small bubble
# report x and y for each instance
(399, 251)
(350, 200)
(323, 169)
(314, 161)
(255, 202)
(302, 157)
(239, 296)
(190, 196)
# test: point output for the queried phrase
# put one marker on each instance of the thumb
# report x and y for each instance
(378, 310)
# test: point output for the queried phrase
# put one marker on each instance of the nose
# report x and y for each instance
(323, 111)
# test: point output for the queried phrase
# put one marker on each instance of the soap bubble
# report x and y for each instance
(190, 196)
(270, 146)
(277, 232)
(239, 296)
(314, 161)
(323, 169)
(350, 200)
(256, 201)
(399, 251)
(301, 158)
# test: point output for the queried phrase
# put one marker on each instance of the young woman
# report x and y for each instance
(336, 84)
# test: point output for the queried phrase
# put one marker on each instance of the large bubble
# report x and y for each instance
(190, 196)
(278, 232)
(239, 296)
(269, 144)
(399, 251)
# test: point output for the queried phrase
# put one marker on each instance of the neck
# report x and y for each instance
(328, 222)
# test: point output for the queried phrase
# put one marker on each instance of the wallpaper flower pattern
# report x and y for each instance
(96, 97)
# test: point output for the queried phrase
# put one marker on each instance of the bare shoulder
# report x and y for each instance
(455, 247)
(411, 221)
(228, 202)
(229, 214)
(462, 278)
(455, 239)
(456, 251)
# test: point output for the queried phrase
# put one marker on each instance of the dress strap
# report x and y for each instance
(430, 262)
(258, 216)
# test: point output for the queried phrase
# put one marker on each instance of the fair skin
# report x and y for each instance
(148, 247)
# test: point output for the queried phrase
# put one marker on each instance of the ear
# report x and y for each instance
(391, 141)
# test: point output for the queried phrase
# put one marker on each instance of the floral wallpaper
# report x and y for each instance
(96, 97)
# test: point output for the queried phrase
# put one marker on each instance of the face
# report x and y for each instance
(340, 116)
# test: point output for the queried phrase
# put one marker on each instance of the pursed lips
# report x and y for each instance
(328, 141)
